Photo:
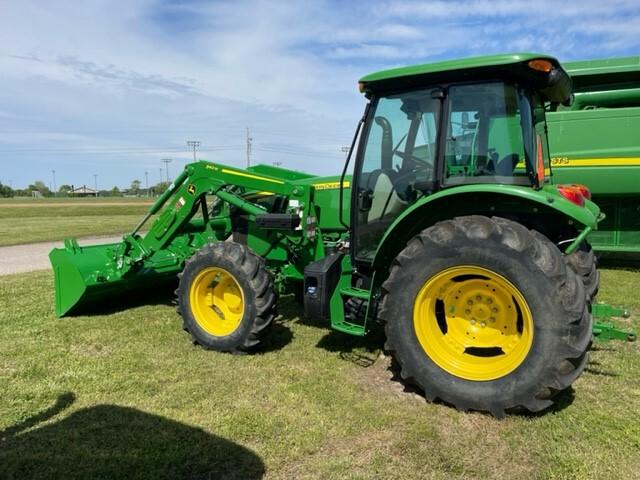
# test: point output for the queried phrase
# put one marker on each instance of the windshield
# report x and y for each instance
(489, 134)
(410, 149)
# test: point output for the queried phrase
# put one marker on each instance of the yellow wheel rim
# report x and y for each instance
(473, 323)
(217, 301)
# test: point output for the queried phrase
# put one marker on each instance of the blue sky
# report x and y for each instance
(111, 88)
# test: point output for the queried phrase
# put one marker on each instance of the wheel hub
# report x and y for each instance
(217, 301)
(473, 323)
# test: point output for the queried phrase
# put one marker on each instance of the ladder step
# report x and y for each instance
(355, 292)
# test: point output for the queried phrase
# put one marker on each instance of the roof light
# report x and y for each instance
(541, 65)
(572, 194)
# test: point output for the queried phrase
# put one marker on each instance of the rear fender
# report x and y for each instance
(544, 210)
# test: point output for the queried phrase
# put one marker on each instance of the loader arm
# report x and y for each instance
(173, 236)
(182, 199)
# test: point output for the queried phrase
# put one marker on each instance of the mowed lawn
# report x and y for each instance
(27, 220)
(124, 394)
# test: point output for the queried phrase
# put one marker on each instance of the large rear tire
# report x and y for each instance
(226, 298)
(484, 315)
(583, 261)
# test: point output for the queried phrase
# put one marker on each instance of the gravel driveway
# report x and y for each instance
(35, 256)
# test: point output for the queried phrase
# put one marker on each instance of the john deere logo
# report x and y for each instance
(191, 188)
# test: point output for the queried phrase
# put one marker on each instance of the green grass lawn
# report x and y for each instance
(124, 394)
(25, 221)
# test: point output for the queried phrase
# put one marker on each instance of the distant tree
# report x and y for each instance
(115, 192)
(135, 187)
(39, 186)
(6, 191)
(65, 189)
(159, 188)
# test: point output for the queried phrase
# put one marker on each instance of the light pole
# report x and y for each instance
(194, 144)
(249, 145)
(95, 183)
(53, 172)
(146, 181)
(166, 162)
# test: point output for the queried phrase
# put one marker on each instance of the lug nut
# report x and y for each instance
(482, 324)
(489, 301)
(494, 310)
(492, 319)
(473, 322)
(478, 297)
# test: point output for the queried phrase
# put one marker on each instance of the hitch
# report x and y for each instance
(605, 331)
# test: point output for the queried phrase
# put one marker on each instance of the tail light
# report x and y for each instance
(571, 193)
(584, 190)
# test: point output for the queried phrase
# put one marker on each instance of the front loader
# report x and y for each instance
(448, 234)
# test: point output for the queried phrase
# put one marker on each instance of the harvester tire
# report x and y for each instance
(583, 261)
(438, 308)
(226, 298)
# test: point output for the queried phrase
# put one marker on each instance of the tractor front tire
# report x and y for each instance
(483, 314)
(226, 298)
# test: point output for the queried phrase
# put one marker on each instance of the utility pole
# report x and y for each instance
(160, 170)
(194, 144)
(249, 140)
(146, 181)
(345, 149)
(276, 163)
(53, 172)
(95, 182)
(166, 162)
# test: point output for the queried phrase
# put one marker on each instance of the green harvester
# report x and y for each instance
(595, 141)
(449, 234)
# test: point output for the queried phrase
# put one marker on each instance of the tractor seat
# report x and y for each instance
(385, 200)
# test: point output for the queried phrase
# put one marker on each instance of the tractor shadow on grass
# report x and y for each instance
(153, 295)
(109, 441)
(361, 351)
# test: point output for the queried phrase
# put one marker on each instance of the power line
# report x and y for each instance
(115, 150)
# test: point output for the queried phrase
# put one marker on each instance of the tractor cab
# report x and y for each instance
(446, 125)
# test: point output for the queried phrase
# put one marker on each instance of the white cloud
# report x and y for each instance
(144, 76)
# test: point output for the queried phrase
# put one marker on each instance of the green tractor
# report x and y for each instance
(448, 234)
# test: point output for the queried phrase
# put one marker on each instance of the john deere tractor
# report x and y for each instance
(448, 234)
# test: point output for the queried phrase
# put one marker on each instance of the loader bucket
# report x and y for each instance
(80, 274)
(86, 278)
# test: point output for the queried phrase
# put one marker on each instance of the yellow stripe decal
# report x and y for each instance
(330, 185)
(248, 175)
(561, 162)
(258, 194)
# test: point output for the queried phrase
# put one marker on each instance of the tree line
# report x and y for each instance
(40, 189)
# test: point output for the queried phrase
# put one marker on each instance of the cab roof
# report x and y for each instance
(488, 66)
